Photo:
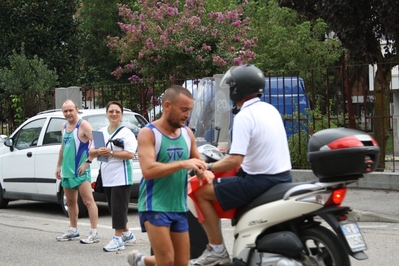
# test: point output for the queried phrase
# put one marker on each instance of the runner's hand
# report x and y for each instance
(208, 175)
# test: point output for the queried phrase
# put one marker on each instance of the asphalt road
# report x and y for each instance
(28, 231)
(373, 205)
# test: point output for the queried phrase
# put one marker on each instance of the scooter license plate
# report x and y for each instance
(353, 236)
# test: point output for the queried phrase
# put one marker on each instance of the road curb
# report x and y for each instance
(365, 216)
(374, 180)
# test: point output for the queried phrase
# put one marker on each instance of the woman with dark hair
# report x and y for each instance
(117, 174)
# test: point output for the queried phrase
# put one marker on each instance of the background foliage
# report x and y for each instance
(369, 30)
(49, 31)
(289, 42)
(26, 74)
(175, 40)
(99, 20)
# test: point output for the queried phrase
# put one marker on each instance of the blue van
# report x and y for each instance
(288, 95)
(212, 106)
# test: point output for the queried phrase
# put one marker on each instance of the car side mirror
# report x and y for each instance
(9, 143)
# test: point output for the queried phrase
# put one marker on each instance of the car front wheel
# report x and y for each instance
(3, 201)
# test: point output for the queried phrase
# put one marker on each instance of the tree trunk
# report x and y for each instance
(382, 109)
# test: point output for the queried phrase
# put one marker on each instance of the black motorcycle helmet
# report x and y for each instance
(243, 81)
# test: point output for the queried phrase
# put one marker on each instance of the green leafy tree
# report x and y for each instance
(363, 27)
(287, 41)
(26, 75)
(291, 45)
(99, 60)
(48, 28)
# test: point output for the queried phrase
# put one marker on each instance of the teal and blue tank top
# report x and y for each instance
(74, 154)
(169, 193)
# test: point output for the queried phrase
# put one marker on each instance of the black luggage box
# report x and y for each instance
(337, 154)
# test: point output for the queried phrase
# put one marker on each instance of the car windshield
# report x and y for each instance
(132, 121)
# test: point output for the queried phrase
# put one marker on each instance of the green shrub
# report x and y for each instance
(298, 143)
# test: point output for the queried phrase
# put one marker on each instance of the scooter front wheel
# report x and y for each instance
(323, 247)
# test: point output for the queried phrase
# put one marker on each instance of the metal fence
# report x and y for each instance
(343, 96)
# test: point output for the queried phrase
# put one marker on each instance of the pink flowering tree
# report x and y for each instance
(169, 40)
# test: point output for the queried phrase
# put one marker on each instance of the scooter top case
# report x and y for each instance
(337, 154)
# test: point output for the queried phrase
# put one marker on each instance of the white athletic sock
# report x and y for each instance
(217, 248)
(141, 262)
(127, 233)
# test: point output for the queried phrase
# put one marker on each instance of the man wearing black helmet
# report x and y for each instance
(259, 146)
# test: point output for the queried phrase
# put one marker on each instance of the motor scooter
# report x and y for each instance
(303, 223)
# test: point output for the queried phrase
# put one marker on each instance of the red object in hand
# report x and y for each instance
(194, 185)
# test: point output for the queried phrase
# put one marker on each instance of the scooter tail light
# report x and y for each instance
(319, 198)
(93, 185)
(337, 197)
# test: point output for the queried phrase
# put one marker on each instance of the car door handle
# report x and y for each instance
(29, 154)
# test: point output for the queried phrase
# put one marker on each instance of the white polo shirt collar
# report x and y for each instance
(250, 102)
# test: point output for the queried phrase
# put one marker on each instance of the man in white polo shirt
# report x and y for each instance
(259, 146)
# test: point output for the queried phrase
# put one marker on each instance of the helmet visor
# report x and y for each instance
(228, 79)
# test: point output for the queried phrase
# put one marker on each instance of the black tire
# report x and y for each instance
(3, 201)
(198, 238)
(83, 212)
(323, 247)
(64, 205)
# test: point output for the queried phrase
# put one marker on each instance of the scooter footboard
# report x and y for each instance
(348, 232)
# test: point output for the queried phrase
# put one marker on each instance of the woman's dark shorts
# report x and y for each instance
(236, 191)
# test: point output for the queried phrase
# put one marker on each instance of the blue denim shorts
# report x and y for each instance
(236, 191)
(177, 221)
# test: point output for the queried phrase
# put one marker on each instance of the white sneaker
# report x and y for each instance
(115, 244)
(129, 239)
(134, 258)
(91, 238)
(210, 258)
(69, 235)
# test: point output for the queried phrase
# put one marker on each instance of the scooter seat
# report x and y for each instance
(275, 193)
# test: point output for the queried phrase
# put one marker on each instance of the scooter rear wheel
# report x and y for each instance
(323, 247)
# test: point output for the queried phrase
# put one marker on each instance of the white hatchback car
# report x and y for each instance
(28, 158)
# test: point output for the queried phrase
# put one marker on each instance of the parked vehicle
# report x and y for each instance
(29, 157)
(284, 225)
(288, 95)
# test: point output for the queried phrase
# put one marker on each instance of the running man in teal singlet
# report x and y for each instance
(74, 172)
(166, 150)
